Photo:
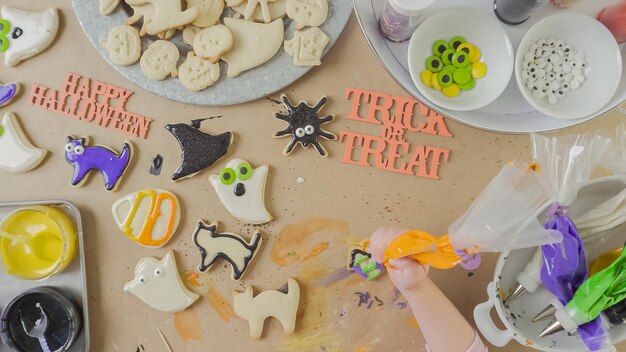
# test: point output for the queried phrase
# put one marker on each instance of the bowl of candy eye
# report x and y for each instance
(568, 66)
(460, 59)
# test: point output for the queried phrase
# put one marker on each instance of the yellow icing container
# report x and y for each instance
(36, 242)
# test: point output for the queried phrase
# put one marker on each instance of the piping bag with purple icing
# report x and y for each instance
(565, 164)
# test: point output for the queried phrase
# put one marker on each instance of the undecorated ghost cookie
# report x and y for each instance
(210, 12)
(307, 12)
(307, 46)
(254, 44)
(159, 60)
(123, 45)
(166, 14)
(197, 74)
(276, 8)
(211, 43)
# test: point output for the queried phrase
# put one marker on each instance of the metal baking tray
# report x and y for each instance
(73, 279)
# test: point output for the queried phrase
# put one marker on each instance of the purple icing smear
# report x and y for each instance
(7, 93)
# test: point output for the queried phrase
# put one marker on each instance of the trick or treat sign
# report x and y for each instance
(390, 151)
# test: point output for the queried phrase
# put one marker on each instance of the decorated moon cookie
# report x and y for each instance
(159, 60)
(8, 92)
(25, 34)
(123, 45)
(18, 154)
(305, 126)
(158, 284)
(166, 14)
(276, 10)
(307, 46)
(210, 12)
(254, 44)
(197, 74)
(149, 217)
(307, 12)
(228, 246)
(86, 158)
(211, 43)
(242, 191)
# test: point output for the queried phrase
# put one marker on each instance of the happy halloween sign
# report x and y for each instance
(390, 151)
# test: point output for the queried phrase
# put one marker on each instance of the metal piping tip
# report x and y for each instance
(552, 328)
(573, 333)
(546, 313)
(517, 292)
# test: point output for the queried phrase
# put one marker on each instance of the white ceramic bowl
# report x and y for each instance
(478, 29)
(585, 34)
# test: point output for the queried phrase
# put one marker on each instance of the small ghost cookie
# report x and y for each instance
(189, 33)
(307, 46)
(167, 14)
(211, 43)
(197, 74)
(307, 12)
(277, 10)
(210, 12)
(123, 45)
(108, 6)
(159, 60)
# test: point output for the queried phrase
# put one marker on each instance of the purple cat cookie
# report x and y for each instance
(85, 159)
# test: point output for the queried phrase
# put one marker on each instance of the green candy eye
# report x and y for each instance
(244, 171)
(462, 76)
(6, 27)
(456, 41)
(469, 85)
(434, 64)
(460, 59)
(4, 44)
(440, 46)
(446, 57)
(450, 68)
(445, 78)
(1, 131)
(227, 176)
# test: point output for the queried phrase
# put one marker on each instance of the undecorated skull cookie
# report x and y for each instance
(211, 43)
(307, 12)
(197, 74)
(210, 12)
(167, 14)
(307, 46)
(123, 45)
(277, 10)
(159, 60)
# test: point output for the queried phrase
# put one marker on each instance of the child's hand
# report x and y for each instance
(407, 273)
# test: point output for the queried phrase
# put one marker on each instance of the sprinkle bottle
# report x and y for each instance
(400, 18)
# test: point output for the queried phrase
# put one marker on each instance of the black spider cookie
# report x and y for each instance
(305, 127)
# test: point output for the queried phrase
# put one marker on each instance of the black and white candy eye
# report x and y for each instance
(300, 132)
(69, 147)
(17, 32)
(79, 150)
(309, 129)
(142, 279)
(158, 272)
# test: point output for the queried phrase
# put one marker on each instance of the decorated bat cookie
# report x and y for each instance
(159, 285)
(210, 12)
(199, 150)
(281, 304)
(17, 152)
(307, 46)
(8, 92)
(307, 12)
(197, 73)
(228, 246)
(86, 158)
(149, 217)
(242, 191)
(25, 34)
(123, 45)
(305, 127)
(165, 15)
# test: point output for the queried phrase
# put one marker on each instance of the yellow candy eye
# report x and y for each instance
(468, 48)
(451, 91)
(427, 77)
(477, 55)
(479, 69)
(435, 81)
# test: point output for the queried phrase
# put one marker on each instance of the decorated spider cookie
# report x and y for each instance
(25, 34)
(254, 44)
(242, 191)
(123, 45)
(228, 246)
(211, 43)
(86, 158)
(160, 60)
(166, 14)
(18, 154)
(305, 127)
(158, 284)
(8, 92)
(307, 46)
(108, 6)
(276, 9)
(307, 12)
(210, 12)
(149, 217)
(199, 150)
(197, 74)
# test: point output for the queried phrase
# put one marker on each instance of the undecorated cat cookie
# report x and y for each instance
(307, 46)
(277, 10)
(123, 45)
(189, 33)
(197, 73)
(159, 60)
(211, 43)
(18, 153)
(307, 12)
(210, 12)
(108, 6)
(166, 14)
(254, 44)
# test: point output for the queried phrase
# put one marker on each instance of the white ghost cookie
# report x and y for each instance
(167, 14)
(189, 33)
(209, 13)
(307, 46)
(277, 10)
(197, 74)
(307, 12)
(252, 6)
(108, 6)
(211, 43)
(242, 191)
(254, 44)
(160, 60)
(18, 153)
(25, 34)
(123, 45)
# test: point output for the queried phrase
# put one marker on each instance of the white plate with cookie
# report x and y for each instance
(222, 58)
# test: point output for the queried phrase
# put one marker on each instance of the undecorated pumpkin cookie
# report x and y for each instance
(159, 60)
(197, 74)
(123, 45)
(307, 12)
(211, 43)
(209, 13)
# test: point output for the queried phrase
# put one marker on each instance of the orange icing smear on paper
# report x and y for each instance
(191, 279)
(221, 305)
(315, 251)
(187, 325)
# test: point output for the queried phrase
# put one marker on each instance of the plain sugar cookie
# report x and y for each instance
(277, 10)
(307, 46)
(254, 44)
(108, 6)
(167, 14)
(231, 3)
(307, 12)
(123, 45)
(197, 74)
(159, 60)
(211, 43)
(189, 33)
(251, 7)
(209, 13)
